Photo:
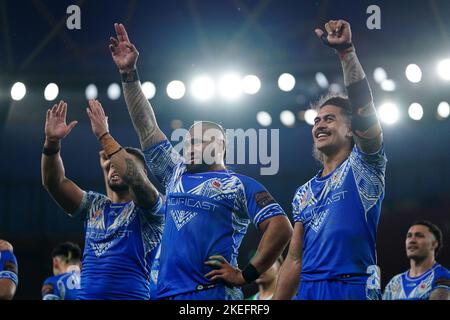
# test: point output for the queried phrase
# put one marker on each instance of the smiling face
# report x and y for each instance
(420, 242)
(331, 131)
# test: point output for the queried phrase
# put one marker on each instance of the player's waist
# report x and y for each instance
(351, 277)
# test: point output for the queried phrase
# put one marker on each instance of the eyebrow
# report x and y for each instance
(328, 115)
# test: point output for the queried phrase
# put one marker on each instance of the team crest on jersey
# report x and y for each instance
(216, 184)
(181, 217)
(423, 288)
(305, 199)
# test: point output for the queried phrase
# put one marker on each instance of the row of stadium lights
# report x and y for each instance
(231, 86)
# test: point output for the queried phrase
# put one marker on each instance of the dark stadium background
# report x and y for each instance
(176, 40)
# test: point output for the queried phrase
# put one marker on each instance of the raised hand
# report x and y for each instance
(123, 52)
(99, 121)
(338, 34)
(55, 123)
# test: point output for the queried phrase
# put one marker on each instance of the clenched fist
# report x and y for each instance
(338, 35)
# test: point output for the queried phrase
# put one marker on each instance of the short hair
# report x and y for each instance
(434, 229)
(337, 100)
(69, 251)
(138, 154)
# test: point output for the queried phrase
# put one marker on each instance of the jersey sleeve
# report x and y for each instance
(441, 279)
(299, 203)
(165, 163)
(260, 203)
(90, 204)
(48, 291)
(9, 267)
(369, 172)
(387, 294)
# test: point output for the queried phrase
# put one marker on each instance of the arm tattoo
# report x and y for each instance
(353, 71)
(142, 115)
(144, 192)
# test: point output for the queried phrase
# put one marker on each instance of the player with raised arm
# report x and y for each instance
(332, 252)
(208, 207)
(120, 232)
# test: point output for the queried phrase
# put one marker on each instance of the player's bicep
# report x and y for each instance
(440, 294)
(68, 196)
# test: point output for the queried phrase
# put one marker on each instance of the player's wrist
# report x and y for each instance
(249, 274)
(129, 74)
(51, 146)
(344, 51)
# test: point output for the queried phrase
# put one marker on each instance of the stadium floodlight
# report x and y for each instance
(444, 69)
(415, 111)
(413, 73)
(443, 110)
(91, 92)
(251, 84)
(388, 85)
(286, 82)
(18, 91)
(230, 86)
(114, 91)
(322, 80)
(310, 115)
(388, 113)
(287, 118)
(264, 118)
(51, 91)
(149, 89)
(203, 88)
(176, 89)
(379, 75)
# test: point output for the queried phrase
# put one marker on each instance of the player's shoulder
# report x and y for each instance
(303, 188)
(52, 280)
(441, 271)
(245, 180)
(6, 246)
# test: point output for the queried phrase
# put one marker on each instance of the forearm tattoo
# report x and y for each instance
(141, 112)
(352, 68)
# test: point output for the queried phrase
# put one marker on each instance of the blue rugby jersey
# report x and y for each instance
(340, 213)
(63, 286)
(405, 287)
(9, 267)
(206, 214)
(119, 239)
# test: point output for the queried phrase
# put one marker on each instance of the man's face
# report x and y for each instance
(420, 242)
(115, 182)
(204, 147)
(331, 130)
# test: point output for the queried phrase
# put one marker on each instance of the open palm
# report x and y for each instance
(123, 52)
(55, 124)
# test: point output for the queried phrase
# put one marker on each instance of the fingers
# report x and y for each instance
(220, 258)
(113, 41)
(64, 110)
(213, 273)
(118, 32)
(328, 28)
(124, 33)
(71, 126)
(213, 263)
(319, 32)
(47, 116)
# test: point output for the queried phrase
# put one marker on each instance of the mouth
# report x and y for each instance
(412, 248)
(114, 177)
(322, 135)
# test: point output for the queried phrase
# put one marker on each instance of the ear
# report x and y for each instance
(55, 263)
